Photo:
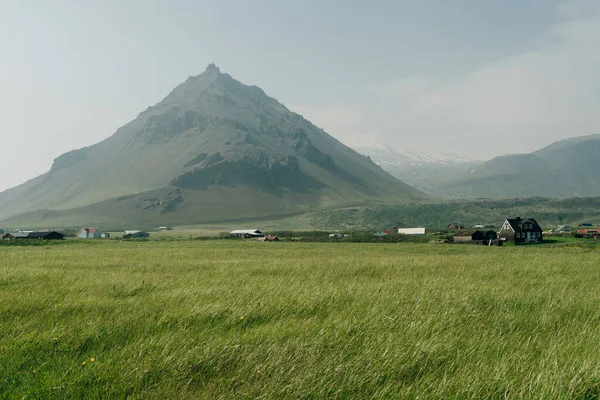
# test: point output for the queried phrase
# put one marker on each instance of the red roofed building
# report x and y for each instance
(89, 233)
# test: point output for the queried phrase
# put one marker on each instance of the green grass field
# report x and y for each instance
(233, 319)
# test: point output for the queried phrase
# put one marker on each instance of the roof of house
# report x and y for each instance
(586, 224)
(411, 231)
(514, 222)
(42, 234)
(132, 232)
(16, 234)
(563, 227)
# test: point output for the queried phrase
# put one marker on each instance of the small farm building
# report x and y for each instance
(382, 233)
(474, 236)
(45, 235)
(89, 233)
(520, 230)
(412, 231)
(268, 238)
(246, 233)
(135, 235)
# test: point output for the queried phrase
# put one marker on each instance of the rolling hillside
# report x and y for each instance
(214, 148)
(564, 169)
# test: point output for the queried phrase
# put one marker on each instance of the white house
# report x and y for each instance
(412, 231)
(246, 233)
(89, 233)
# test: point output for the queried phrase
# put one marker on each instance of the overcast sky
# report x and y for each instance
(477, 78)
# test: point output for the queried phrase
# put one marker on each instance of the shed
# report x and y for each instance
(135, 235)
(474, 236)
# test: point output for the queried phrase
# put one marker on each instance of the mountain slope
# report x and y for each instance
(211, 133)
(566, 168)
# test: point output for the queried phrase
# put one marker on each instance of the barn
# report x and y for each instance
(45, 235)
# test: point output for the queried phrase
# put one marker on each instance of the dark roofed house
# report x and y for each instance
(49, 235)
(46, 235)
(586, 225)
(521, 230)
(135, 235)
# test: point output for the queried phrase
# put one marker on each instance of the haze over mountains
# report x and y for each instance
(212, 149)
(566, 168)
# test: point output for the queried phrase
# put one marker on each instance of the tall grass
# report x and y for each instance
(233, 319)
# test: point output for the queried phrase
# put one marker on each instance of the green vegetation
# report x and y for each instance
(241, 319)
(564, 169)
(548, 213)
(433, 215)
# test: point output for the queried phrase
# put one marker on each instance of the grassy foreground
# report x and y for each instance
(224, 319)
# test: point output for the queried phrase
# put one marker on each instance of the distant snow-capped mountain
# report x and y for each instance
(387, 155)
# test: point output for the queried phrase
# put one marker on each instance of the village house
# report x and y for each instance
(89, 233)
(135, 235)
(520, 230)
(246, 233)
(586, 225)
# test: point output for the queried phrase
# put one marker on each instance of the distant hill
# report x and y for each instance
(568, 168)
(212, 149)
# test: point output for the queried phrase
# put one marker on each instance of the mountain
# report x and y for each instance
(424, 171)
(567, 168)
(212, 149)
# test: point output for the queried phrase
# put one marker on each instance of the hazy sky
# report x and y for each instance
(478, 78)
